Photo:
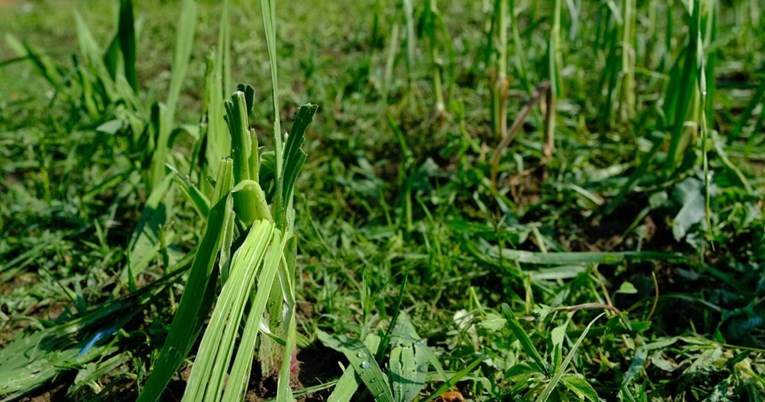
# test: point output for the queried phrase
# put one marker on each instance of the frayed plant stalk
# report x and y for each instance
(251, 234)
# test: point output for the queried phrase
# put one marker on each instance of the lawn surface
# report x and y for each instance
(610, 245)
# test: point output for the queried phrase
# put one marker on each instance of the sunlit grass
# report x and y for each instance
(498, 200)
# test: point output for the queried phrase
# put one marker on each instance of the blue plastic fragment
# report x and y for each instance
(97, 337)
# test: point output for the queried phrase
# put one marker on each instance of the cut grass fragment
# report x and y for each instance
(259, 255)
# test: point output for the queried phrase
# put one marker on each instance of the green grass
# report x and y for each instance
(514, 200)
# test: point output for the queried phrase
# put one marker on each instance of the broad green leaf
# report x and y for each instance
(706, 361)
(345, 388)
(348, 383)
(557, 336)
(363, 362)
(249, 192)
(657, 359)
(408, 363)
(521, 374)
(580, 387)
(627, 288)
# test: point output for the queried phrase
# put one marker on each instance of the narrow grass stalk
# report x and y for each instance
(431, 24)
(217, 84)
(223, 51)
(184, 42)
(629, 19)
(542, 90)
(682, 93)
(556, 87)
(519, 55)
(554, 58)
(706, 88)
(289, 160)
(411, 38)
(394, 46)
(500, 85)
(609, 77)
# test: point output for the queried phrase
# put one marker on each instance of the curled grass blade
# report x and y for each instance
(193, 194)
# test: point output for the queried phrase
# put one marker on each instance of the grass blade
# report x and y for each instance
(214, 356)
(345, 388)
(33, 360)
(240, 372)
(363, 362)
(408, 361)
(452, 381)
(184, 40)
(145, 242)
(578, 257)
(127, 41)
(294, 157)
(193, 309)
(348, 383)
(562, 369)
(195, 196)
(523, 338)
(39, 59)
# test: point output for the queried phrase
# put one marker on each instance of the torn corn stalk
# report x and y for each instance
(250, 232)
